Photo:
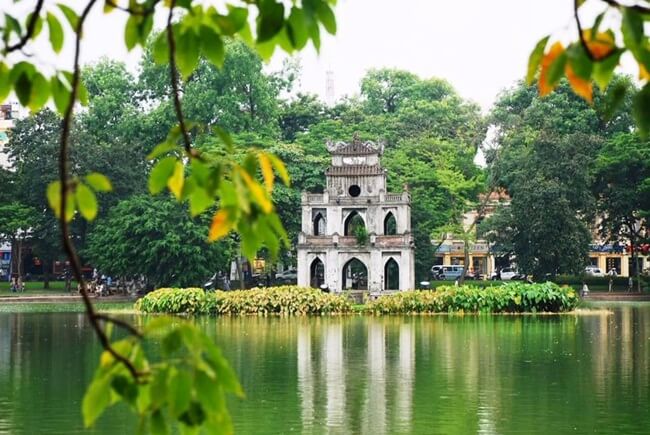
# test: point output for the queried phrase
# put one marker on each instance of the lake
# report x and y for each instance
(371, 375)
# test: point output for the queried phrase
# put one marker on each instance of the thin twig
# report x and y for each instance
(583, 41)
(31, 27)
(173, 75)
(131, 11)
(63, 178)
(637, 8)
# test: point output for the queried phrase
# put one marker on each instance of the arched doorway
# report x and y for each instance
(390, 224)
(352, 222)
(391, 275)
(355, 275)
(319, 225)
(317, 273)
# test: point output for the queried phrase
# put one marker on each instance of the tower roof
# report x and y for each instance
(355, 148)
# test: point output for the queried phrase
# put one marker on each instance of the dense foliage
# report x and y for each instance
(508, 298)
(286, 300)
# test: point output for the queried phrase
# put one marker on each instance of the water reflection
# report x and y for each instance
(370, 375)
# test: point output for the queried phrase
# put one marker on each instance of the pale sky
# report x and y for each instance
(479, 46)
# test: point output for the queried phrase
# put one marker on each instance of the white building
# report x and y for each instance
(356, 235)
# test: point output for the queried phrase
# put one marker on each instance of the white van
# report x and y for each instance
(451, 272)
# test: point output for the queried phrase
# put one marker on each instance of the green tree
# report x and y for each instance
(155, 238)
(16, 222)
(385, 89)
(622, 188)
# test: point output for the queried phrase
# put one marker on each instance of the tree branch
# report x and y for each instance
(63, 178)
(31, 26)
(173, 76)
(142, 12)
(583, 41)
(637, 8)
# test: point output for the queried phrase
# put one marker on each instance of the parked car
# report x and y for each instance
(507, 274)
(289, 276)
(594, 271)
(451, 272)
(436, 271)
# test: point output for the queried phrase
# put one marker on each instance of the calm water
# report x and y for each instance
(447, 375)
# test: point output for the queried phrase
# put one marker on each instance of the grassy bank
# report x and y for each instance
(514, 297)
(35, 288)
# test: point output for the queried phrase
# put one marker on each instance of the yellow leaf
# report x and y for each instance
(643, 72)
(176, 181)
(280, 168)
(220, 226)
(579, 85)
(544, 87)
(600, 45)
(261, 197)
(267, 171)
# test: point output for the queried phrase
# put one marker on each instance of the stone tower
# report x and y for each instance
(356, 235)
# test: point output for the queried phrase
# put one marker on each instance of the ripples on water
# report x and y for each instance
(370, 375)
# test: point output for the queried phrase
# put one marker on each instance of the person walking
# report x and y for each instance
(611, 274)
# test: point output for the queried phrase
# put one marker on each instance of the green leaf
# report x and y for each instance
(23, 88)
(160, 174)
(297, 28)
(40, 92)
(60, 94)
(82, 93)
(99, 182)
(233, 22)
(641, 109)
(200, 201)
(179, 393)
(86, 201)
(5, 81)
(187, 52)
(314, 32)
(556, 70)
(144, 29)
(212, 46)
(604, 70)
(56, 32)
(270, 20)
(70, 15)
(96, 399)
(535, 58)
(161, 149)
(177, 180)
(125, 388)
(326, 16)
(158, 423)
(579, 61)
(131, 33)
(632, 28)
(161, 49)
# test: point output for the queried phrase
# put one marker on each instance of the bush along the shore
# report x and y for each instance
(510, 298)
(287, 300)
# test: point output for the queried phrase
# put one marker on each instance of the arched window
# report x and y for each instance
(391, 275)
(352, 222)
(390, 224)
(317, 273)
(319, 225)
(355, 275)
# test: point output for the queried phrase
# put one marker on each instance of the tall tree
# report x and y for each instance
(155, 238)
(622, 188)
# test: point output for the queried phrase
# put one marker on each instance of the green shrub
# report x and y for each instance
(173, 301)
(288, 300)
(619, 281)
(515, 297)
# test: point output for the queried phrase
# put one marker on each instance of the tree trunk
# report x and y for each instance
(461, 281)
(46, 274)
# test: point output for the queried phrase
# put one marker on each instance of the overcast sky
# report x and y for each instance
(480, 46)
